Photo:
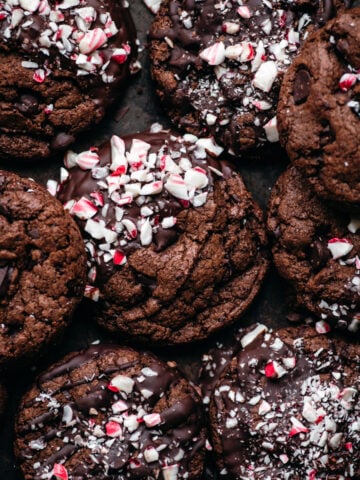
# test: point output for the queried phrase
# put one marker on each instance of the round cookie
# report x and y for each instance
(176, 245)
(319, 111)
(110, 412)
(219, 65)
(42, 268)
(317, 249)
(288, 407)
(63, 63)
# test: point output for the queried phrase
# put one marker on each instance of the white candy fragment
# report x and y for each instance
(271, 130)
(121, 383)
(29, 5)
(196, 178)
(153, 5)
(215, 54)
(146, 233)
(176, 186)
(354, 225)
(251, 336)
(151, 454)
(265, 76)
(339, 247)
(170, 472)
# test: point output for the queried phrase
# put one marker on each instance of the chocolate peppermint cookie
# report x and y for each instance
(319, 111)
(288, 407)
(317, 249)
(219, 65)
(176, 245)
(42, 268)
(62, 64)
(110, 412)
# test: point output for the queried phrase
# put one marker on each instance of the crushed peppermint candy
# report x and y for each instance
(85, 37)
(134, 192)
(304, 424)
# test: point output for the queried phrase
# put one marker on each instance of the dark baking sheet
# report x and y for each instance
(137, 110)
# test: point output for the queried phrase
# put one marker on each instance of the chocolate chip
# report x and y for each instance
(319, 253)
(302, 86)
(28, 104)
(62, 140)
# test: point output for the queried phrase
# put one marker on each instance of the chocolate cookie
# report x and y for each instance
(219, 65)
(288, 407)
(319, 110)
(42, 268)
(62, 64)
(111, 413)
(176, 245)
(317, 250)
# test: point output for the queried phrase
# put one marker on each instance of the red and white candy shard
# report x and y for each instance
(92, 40)
(60, 472)
(322, 327)
(273, 369)
(347, 81)
(271, 130)
(83, 209)
(113, 429)
(121, 383)
(339, 247)
(298, 427)
(215, 54)
(152, 419)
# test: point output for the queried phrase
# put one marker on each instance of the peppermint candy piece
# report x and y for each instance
(29, 5)
(196, 178)
(146, 233)
(298, 427)
(152, 419)
(265, 76)
(347, 81)
(60, 472)
(83, 209)
(119, 55)
(170, 472)
(92, 40)
(39, 75)
(87, 160)
(354, 225)
(214, 55)
(151, 454)
(121, 383)
(153, 5)
(339, 247)
(322, 327)
(177, 187)
(271, 130)
(274, 370)
(113, 429)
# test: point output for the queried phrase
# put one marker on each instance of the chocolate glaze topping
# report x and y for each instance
(142, 420)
